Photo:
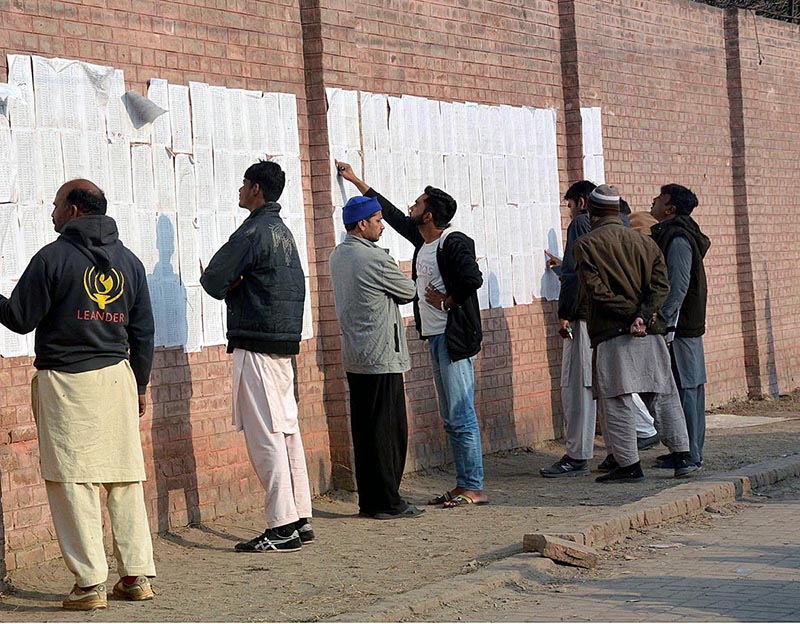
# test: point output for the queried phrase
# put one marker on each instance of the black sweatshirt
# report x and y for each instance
(86, 295)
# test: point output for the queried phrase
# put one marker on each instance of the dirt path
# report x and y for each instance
(356, 561)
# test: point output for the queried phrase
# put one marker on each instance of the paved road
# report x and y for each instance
(743, 566)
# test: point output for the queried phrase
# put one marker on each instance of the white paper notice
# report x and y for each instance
(21, 112)
(47, 92)
(180, 119)
(213, 311)
(271, 112)
(164, 178)
(51, 163)
(158, 93)
(188, 239)
(120, 190)
(142, 168)
(26, 148)
(291, 135)
(8, 167)
(185, 186)
(11, 248)
(202, 112)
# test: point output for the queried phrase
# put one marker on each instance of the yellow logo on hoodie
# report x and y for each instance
(103, 288)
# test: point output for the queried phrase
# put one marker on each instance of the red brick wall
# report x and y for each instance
(661, 76)
(770, 81)
(684, 99)
(485, 52)
(197, 465)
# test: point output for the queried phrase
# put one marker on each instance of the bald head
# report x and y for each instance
(77, 198)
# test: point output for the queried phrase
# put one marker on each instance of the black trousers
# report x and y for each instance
(380, 440)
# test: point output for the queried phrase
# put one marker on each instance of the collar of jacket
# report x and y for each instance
(268, 207)
(352, 239)
(607, 221)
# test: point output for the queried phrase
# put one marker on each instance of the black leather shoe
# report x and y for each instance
(628, 474)
(408, 512)
(683, 465)
(608, 464)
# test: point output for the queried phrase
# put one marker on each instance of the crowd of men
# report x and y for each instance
(632, 312)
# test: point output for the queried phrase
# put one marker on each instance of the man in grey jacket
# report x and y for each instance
(367, 288)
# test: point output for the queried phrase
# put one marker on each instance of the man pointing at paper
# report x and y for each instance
(447, 314)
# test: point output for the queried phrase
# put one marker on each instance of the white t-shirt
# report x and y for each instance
(433, 319)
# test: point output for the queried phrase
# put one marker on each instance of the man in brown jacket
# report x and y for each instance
(625, 281)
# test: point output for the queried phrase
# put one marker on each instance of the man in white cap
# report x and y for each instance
(625, 281)
(367, 288)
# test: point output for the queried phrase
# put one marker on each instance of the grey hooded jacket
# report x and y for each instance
(367, 288)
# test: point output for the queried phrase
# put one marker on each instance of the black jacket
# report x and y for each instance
(623, 276)
(265, 311)
(692, 317)
(86, 295)
(571, 306)
(461, 276)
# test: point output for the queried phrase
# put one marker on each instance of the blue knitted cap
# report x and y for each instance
(358, 208)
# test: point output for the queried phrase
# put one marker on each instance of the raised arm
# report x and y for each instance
(401, 223)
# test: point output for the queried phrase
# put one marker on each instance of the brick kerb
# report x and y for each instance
(682, 501)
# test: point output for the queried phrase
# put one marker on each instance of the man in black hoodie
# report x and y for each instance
(86, 296)
(684, 246)
(448, 316)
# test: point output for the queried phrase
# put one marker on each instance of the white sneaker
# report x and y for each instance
(80, 600)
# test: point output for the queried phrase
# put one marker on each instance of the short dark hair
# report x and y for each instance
(270, 178)
(681, 197)
(624, 208)
(349, 227)
(582, 188)
(89, 202)
(441, 206)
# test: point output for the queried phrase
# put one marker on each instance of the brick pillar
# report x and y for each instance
(741, 213)
(316, 59)
(580, 85)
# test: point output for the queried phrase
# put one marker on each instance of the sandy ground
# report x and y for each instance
(356, 561)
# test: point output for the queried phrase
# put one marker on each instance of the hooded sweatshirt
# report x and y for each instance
(86, 296)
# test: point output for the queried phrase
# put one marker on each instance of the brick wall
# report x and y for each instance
(684, 99)
(197, 465)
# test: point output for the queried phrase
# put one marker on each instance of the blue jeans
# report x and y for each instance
(455, 387)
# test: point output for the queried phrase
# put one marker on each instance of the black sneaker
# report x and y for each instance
(608, 464)
(628, 474)
(305, 530)
(565, 467)
(683, 465)
(272, 540)
(643, 444)
(408, 512)
(664, 457)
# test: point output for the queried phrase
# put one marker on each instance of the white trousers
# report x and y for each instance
(576, 393)
(618, 419)
(264, 407)
(75, 509)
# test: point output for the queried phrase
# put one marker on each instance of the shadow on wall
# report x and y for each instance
(772, 364)
(171, 433)
(494, 380)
